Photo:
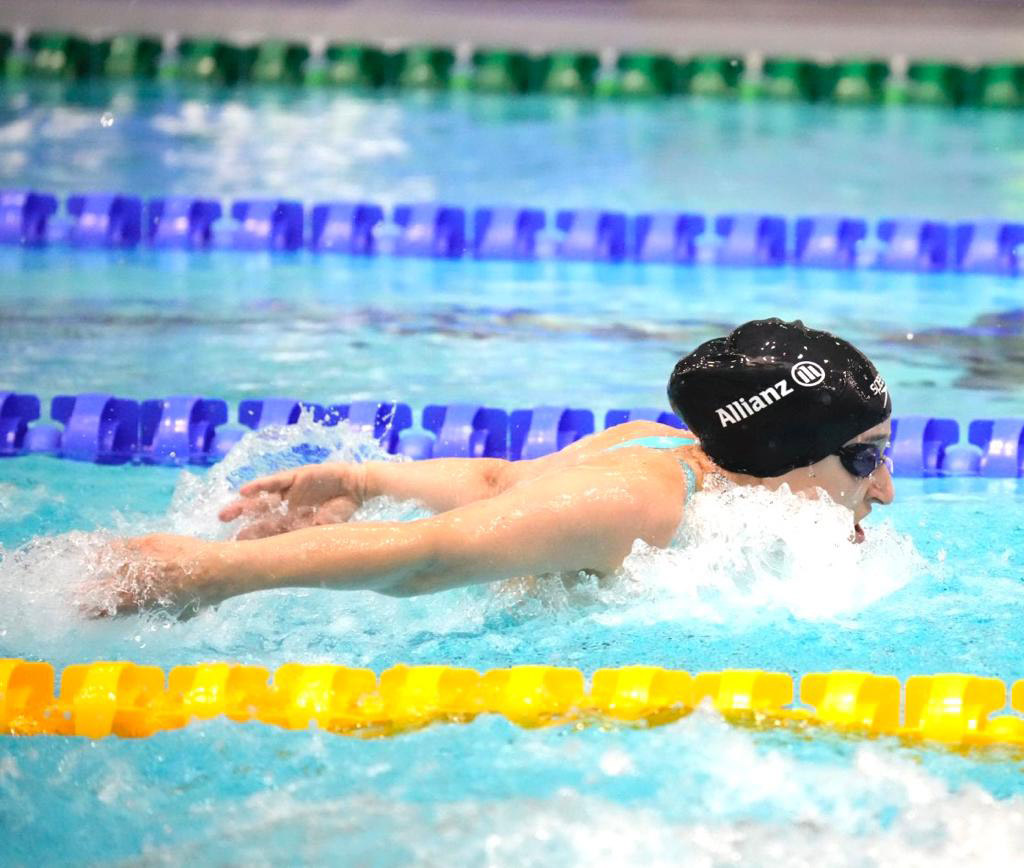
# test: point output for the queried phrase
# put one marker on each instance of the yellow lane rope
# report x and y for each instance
(132, 701)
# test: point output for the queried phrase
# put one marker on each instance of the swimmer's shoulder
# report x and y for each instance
(600, 449)
(641, 429)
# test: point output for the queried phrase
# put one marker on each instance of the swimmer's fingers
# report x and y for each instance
(112, 591)
(251, 505)
(153, 571)
(259, 496)
(335, 511)
(274, 523)
(276, 483)
(263, 528)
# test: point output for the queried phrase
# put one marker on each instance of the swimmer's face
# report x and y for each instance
(855, 493)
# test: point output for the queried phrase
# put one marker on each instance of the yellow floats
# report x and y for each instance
(132, 701)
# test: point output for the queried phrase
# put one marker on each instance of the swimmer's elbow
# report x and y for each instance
(431, 568)
(497, 476)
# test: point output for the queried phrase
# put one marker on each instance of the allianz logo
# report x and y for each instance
(804, 373)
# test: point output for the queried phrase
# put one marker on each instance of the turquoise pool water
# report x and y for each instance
(937, 587)
(707, 155)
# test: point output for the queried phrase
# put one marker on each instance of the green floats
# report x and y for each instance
(647, 75)
(279, 62)
(498, 70)
(713, 75)
(569, 72)
(999, 85)
(936, 83)
(423, 67)
(132, 56)
(351, 65)
(855, 81)
(213, 61)
(790, 78)
(62, 56)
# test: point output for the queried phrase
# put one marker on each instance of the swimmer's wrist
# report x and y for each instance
(365, 480)
(227, 569)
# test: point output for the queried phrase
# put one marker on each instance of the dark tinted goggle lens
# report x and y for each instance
(861, 459)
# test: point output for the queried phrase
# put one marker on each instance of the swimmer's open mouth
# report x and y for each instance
(858, 532)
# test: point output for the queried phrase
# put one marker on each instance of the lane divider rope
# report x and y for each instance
(580, 73)
(181, 430)
(96, 700)
(117, 220)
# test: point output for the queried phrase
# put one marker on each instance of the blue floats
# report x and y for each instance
(190, 429)
(264, 412)
(962, 459)
(384, 421)
(913, 245)
(346, 227)
(180, 429)
(651, 414)
(990, 247)
(467, 430)
(514, 233)
(16, 411)
(257, 414)
(506, 233)
(591, 234)
(104, 220)
(24, 216)
(430, 230)
(543, 430)
(1001, 442)
(828, 241)
(750, 239)
(181, 222)
(919, 444)
(97, 427)
(267, 224)
(667, 237)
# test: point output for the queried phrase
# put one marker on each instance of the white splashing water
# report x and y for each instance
(743, 551)
(742, 554)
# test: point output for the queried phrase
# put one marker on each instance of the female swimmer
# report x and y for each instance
(772, 404)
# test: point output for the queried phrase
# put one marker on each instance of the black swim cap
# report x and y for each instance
(774, 395)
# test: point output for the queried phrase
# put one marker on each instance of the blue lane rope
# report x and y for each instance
(191, 429)
(114, 220)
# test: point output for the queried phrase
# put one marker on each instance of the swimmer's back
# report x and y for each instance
(641, 446)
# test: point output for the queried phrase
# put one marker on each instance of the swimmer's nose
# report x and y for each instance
(882, 489)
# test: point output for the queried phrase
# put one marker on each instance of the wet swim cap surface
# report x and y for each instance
(772, 396)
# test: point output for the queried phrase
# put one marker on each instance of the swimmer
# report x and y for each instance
(771, 404)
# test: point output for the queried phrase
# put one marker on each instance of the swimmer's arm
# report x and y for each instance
(579, 518)
(440, 484)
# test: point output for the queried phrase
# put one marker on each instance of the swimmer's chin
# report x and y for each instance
(858, 536)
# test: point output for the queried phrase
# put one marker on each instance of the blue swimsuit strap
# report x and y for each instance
(666, 443)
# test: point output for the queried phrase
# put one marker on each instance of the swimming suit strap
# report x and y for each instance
(691, 481)
(654, 442)
(667, 443)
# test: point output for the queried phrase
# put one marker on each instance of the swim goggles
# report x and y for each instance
(862, 459)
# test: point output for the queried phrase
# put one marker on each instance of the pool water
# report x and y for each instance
(469, 149)
(936, 587)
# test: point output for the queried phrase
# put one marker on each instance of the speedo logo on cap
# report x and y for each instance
(805, 373)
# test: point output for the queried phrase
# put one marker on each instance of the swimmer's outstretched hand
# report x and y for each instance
(158, 571)
(312, 495)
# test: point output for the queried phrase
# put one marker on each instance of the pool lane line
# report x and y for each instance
(96, 700)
